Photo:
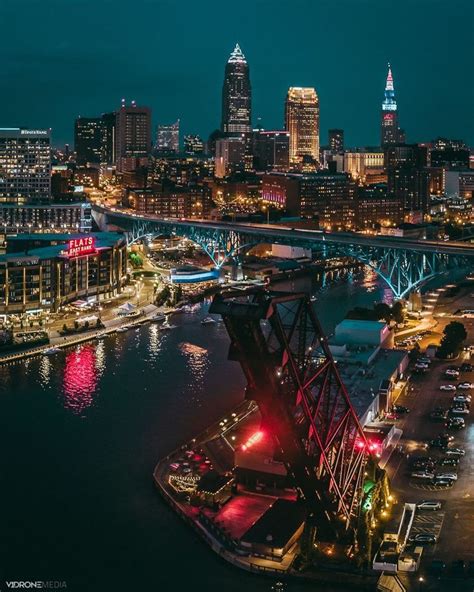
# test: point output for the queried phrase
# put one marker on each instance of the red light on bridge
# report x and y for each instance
(254, 438)
(81, 246)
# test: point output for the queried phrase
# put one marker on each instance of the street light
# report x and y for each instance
(421, 579)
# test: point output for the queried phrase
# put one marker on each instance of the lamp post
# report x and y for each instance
(421, 579)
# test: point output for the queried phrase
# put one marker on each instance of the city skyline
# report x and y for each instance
(187, 82)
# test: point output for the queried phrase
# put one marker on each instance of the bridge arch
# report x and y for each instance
(404, 265)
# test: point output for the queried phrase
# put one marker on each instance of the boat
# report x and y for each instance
(123, 329)
(158, 318)
(50, 351)
(208, 321)
(167, 327)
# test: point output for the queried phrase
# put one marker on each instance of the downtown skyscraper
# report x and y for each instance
(236, 95)
(389, 130)
(302, 121)
(132, 137)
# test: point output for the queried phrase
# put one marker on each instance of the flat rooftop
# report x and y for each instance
(280, 522)
(241, 512)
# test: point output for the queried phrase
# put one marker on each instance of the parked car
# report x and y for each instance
(455, 423)
(423, 465)
(466, 385)
(421, 366)
(450, 461)
(439, 414)
(400, 409)
(438, 443)
(428, 505)
(451, 372)
(466, 367)
(423, 538)
(455, 452)
(459, 409)
(452, 476)
(462, 399)
(439, 482)
(422, 475)
(447, 387)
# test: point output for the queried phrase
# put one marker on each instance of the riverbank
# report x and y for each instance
(62, 342)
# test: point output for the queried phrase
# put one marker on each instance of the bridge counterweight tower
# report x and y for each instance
(304, 404)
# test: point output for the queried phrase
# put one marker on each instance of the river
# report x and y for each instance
(80, 433)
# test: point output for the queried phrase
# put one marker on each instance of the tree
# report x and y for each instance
(383, 311)
(398, 313)
(453, 336)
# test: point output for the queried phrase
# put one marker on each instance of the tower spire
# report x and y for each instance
(236, 55)
(389, 83)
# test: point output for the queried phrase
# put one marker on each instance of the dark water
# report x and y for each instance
(80, 434)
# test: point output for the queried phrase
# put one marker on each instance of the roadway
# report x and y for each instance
(455, 523)
(276, 233)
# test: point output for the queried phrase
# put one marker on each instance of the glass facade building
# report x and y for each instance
(302, 121)
(236, 95)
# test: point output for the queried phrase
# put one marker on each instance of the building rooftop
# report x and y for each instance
(357, 324)
(277, 525)
(104, 240)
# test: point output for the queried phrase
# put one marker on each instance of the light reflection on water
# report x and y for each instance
(197, 362)
(80, 378)
(183, 357)
(45, 371)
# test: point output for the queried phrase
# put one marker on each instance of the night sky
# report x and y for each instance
(63, 58)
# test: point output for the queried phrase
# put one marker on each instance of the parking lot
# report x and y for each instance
(453, 526)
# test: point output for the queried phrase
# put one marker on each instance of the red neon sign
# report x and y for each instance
(254, 438)
(81, 246)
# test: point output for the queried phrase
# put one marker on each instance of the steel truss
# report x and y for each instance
(402, 269)
(219, 245)
(304, 404)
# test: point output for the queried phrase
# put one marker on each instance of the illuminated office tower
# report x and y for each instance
(25, 166)
(302, 121)
(236, 95)
(390, 131)
(88, 140)
(132, 136)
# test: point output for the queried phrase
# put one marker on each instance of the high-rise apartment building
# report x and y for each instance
(25, 166)
(109, 124)
(389, 130)
(236, 95)
(167, 137)
(302, 122)
(88, 140)
(336, 140)
(132, 137)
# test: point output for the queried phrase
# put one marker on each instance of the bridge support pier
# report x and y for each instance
(237, 274)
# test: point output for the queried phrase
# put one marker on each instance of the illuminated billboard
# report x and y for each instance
(77, 247)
